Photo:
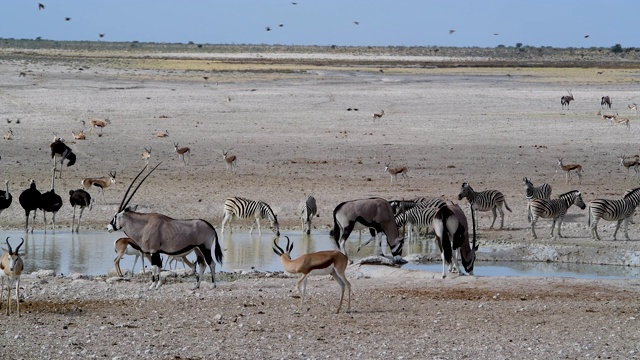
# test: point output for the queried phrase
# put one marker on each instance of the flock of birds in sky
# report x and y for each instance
(41, 6)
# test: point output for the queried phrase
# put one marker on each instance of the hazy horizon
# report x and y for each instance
(571, 23)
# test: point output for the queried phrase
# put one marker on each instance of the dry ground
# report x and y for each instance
(293, 135)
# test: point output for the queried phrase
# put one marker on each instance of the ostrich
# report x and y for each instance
(82, 199)
(59, 148)
(5, 197)
(50, 202)
(30, 201)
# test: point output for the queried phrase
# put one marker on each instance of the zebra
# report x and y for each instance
(485, 201)
(540, 192)
(417, 217)
(308, 210)
(245, 209)
(620, 210)
(555, 208)
(399, 206)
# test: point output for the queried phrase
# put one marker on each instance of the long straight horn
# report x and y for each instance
(9, 246)
(129, 188)
(140, 183)
(21, 242)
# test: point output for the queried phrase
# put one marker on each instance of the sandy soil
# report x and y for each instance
(293, 135)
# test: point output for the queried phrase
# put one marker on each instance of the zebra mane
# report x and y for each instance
(569, 193)
(266, 210)
(631, 192)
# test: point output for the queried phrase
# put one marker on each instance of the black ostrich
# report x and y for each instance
(82, 199)
(5, 197)
(50, 202)
(30, 201)
(60, 149)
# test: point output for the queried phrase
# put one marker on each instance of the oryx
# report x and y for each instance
(374, 213)
(156, 233)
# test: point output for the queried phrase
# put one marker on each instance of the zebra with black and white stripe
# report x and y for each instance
(485, 201)
(417, 217)
(399, 206)
(246, 209)
(554, 208)
(620, 210)
(536, 192)
(308, 209)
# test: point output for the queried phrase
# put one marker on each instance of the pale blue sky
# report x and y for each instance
(558, 23)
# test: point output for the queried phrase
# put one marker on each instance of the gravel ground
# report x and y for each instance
(293, 135)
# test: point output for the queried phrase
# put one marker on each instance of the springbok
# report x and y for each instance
(11, 267)
(161, 134)
(606, 101)
(566, 99)
(373, 213)
(79, 135)
(122, 248)
(230, 160)
(568, 168)
(628, 164)
(621, 120)
(331, 262)
(146, 155)
(157, 234)
(452, 235)
(606, 117)
(379, 115)
(402, 170)
(60, 149)
(101, 184)
(633, 107)
(182, 151)
(8, 135)
(100, 124)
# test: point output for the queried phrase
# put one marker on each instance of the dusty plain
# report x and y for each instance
(291, 129)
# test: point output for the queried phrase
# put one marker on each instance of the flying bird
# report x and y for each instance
(452, 31)
(357, 22)
(281, 25)
(67, 19)
(268, 28)
(101, 35)
(586, 36)
(40, 6)
(496, 34)
(294, 3)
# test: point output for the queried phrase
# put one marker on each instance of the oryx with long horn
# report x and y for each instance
(157, 234)
(452, 236)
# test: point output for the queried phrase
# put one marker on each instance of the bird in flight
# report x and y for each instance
(294, 3)
(496, 34)
(101, 35)
(452, 31)
(357, 22)
(586, 36)
(281, 25)
(67, 19)
(268, 28)
(40, 6)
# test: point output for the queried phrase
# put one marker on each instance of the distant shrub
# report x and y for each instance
(616, 49)
(518, 45)
(500, 46)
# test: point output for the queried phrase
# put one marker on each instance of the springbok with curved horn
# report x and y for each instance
(157, 234)
(182, 151)
(452, 236)
(402, 170)
(11, 267)
(101, 184)
(377, 116)
(373, 213)
(331, 262)
(633, 107)
(569, 168)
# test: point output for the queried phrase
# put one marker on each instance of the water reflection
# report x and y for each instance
(92, 253)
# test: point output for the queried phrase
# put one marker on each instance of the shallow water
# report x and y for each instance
(93, 253)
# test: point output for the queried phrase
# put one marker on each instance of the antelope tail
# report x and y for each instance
(218, 251)
(445, 243)
(336, 227)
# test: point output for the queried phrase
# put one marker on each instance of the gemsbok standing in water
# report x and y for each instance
(157, 234)
(373, 213)
(485, 201)
(452, 235)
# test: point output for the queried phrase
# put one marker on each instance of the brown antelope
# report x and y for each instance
(8, 135)
(100, 183)
(566, 99)
(146, 155)
(606, 117)
(95, 123)
(378, 115)
(570, 167)
(161, 134)
(628, 164)
(621, 120)
(395, 171)
(331, 262)
(182, 151)
(11, 267)
(230, 160)
(633, 107)
(79, 135)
